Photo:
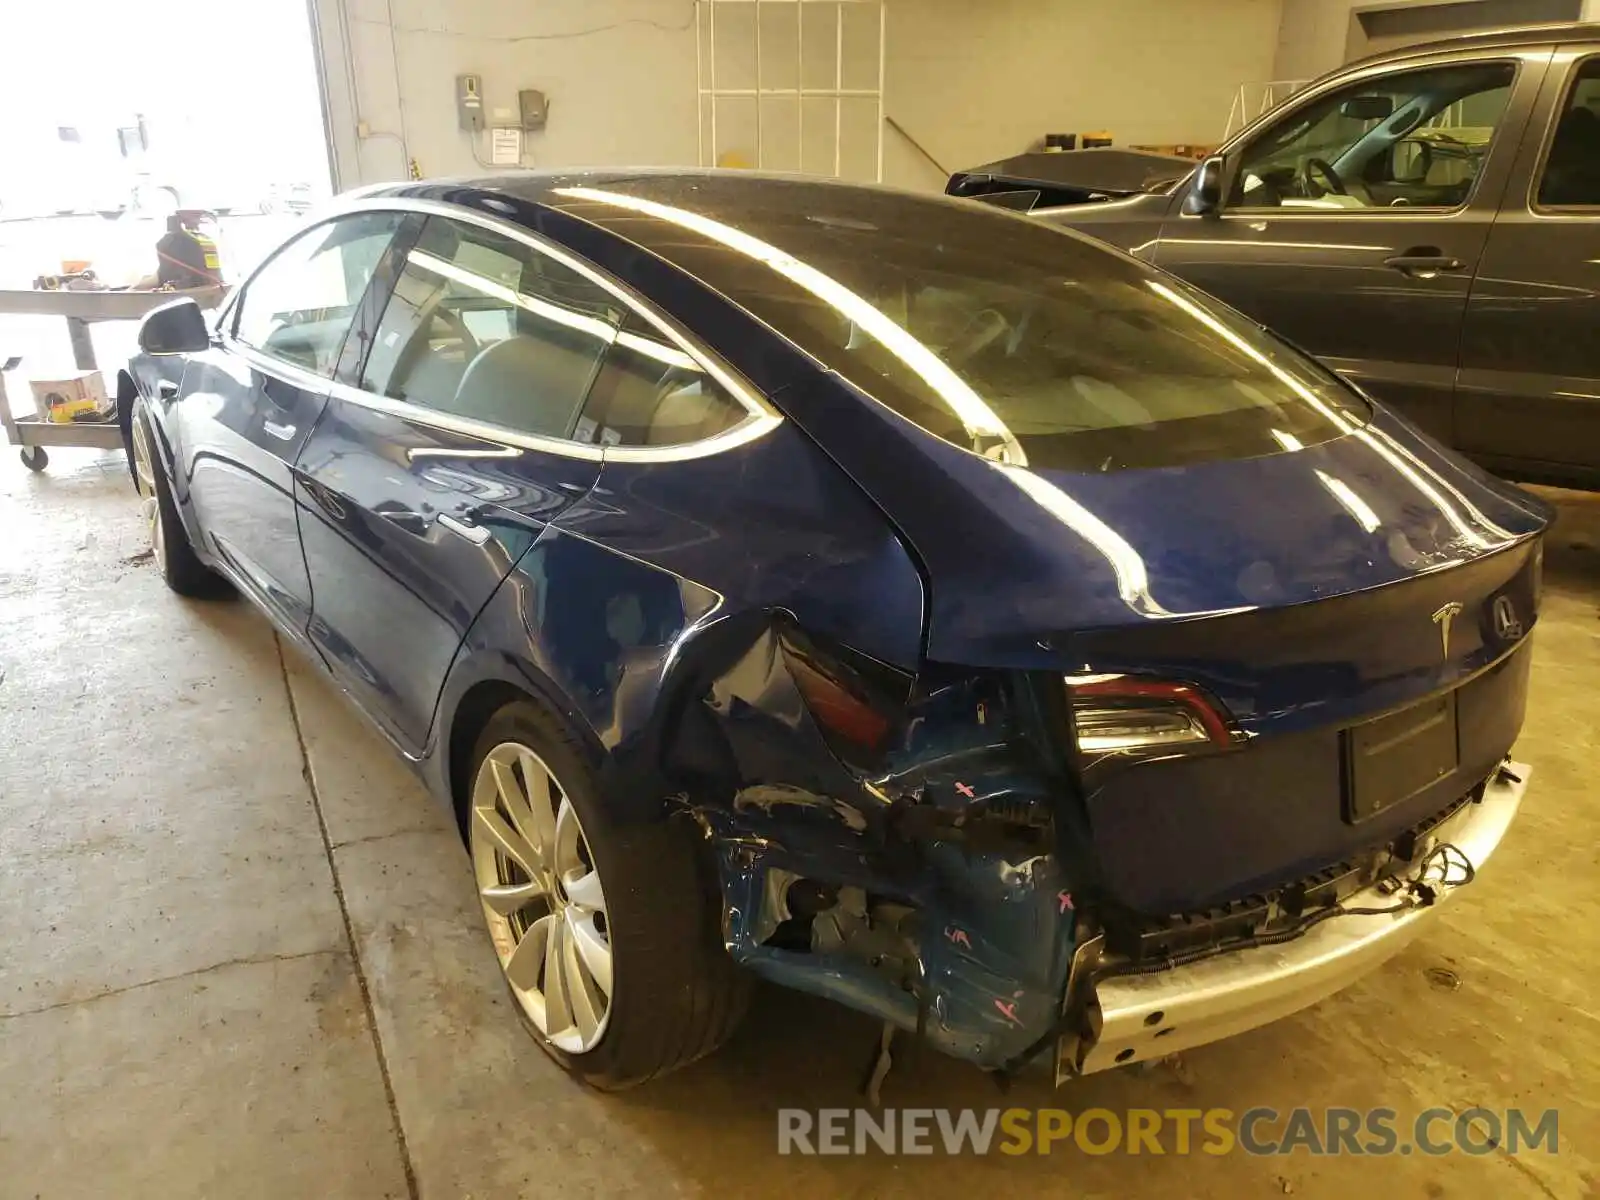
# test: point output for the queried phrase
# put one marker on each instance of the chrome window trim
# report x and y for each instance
(760, 417)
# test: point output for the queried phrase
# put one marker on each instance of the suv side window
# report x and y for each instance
(299, 306)
(650, 393)
(1414, 139)
(1571, 177)
(486, 327)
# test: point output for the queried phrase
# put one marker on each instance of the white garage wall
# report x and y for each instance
(972, 80)
(978, 81)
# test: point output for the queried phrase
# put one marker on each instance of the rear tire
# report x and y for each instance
(180, 565)
(675, 994)
(34, 458)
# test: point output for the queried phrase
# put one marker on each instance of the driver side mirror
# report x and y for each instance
(1205, 193)
(174, 328)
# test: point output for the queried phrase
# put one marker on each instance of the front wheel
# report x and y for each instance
(180, 565)
(34, 458)
(606, 936)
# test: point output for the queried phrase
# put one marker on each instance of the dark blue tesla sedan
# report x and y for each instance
(885, 595)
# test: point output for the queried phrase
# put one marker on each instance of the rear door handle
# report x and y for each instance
(1424, 260)
(284, 433)
(476, 534)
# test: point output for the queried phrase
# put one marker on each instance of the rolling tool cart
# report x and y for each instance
(81, 309)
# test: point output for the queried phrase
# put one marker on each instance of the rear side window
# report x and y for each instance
(650, 393)
(1571, 177)
(486, 327)
(299, 306)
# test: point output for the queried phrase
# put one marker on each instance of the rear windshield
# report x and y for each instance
(998, 333)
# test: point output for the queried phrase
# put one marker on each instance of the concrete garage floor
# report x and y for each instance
(238, 953)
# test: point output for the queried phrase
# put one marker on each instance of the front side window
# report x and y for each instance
(1416, 139)
(484, 326)
(299, 306)
(1571, 177)
(650, 393)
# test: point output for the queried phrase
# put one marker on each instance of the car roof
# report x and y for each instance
(545, 187)
(1514, 38)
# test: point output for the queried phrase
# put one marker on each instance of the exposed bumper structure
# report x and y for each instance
(1150, 1016)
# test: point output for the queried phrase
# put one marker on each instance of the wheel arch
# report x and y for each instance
(479, 685)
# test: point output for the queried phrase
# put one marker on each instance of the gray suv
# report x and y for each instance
(1426, 222)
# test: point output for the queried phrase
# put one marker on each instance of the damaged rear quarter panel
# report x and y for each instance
(655, 613)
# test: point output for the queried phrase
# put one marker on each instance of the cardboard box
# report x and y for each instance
(77, 397)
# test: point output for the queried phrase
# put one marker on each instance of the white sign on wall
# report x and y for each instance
(505, 146)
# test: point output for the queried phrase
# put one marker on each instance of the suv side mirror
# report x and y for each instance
(1205, 193)
(174, 328)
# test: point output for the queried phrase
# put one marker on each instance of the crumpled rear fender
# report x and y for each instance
(940, 900)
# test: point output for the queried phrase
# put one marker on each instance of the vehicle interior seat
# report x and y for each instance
(534, 384)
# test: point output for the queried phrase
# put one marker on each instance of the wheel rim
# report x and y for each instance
(145, 473)
(542, 897)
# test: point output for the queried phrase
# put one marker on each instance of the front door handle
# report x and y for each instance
(476, 534)
(166, 389)
(403, 518)
(1425, 261)
(284, 433)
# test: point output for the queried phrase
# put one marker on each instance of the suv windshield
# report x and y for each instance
(1000, 334)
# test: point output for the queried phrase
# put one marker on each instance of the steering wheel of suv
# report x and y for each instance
(1328, 185)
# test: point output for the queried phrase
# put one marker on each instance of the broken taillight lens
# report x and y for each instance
(1114, 714)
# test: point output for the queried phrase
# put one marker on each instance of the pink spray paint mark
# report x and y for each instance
(1008, 1011)
(1066, 901)
(965, 790)
(958, 937)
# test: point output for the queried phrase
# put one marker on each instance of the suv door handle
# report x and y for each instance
(284, 433)
(1423, 260)
(476, 534)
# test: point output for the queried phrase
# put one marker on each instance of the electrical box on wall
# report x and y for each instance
(469, 102)
(535, 109)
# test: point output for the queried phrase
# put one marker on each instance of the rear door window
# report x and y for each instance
(299, 306)
(486, 327)
(650, 393)
(1571, 176)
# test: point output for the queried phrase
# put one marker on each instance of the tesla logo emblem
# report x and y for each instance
(1506, 623)
(1442, 619)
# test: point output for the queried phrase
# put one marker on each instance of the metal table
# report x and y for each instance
(81, 309)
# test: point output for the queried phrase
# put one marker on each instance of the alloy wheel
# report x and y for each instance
(542, 897)
(145, 473)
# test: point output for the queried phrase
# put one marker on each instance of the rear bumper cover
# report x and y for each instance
(1150, 1016)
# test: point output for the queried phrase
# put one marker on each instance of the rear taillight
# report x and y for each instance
(856, 701)
(1113, 714)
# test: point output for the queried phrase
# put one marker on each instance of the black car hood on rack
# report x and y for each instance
(1074, 176)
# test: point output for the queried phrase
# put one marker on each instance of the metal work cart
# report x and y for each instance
(81, 309)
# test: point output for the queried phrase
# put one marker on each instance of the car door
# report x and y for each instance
(1353, 225)
(251, 401)
(1528, 395)
(444, 453)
